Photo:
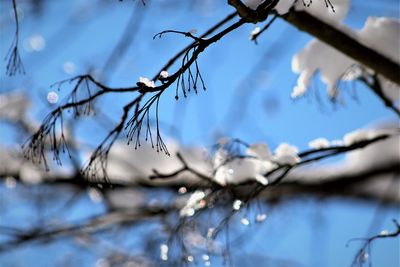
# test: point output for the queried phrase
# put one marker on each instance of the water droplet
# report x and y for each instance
(245, 221)
(237, 204)
(190, 258)
(206, 257)
(189, 212)
(255, 31)
(261, 217)
(164, 252)
(182, 190)
(35, 43)
(364, 256)
(52, 97)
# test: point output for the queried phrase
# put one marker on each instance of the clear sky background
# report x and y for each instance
(247, 97)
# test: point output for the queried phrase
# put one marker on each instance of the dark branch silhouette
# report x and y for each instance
(14, 62)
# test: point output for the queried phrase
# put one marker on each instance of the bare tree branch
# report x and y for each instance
(363, 256)
(14, 65)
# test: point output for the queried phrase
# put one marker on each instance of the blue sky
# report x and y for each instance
(244, 81)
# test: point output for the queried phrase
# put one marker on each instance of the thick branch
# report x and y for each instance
(352, 185)
(345, 44)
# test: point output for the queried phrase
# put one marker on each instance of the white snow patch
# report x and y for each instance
(13, 106)
(319, 143)
(359, 136)
(164, 74)
(286, 154)
(128, 164)
(240, 170)
(147, 82)
(313, 58)
(254, 32)
(259, 150)
(31, 174)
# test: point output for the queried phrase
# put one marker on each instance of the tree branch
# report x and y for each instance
(344, 43)
(376, 87)
(14, 64)
(363, 255)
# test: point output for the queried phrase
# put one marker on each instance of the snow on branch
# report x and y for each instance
(354, 52)
(252, 173)
(359, 48)
(311, 60)
(235, 164)
(232, 163)
(185, 78)
(229, 177)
